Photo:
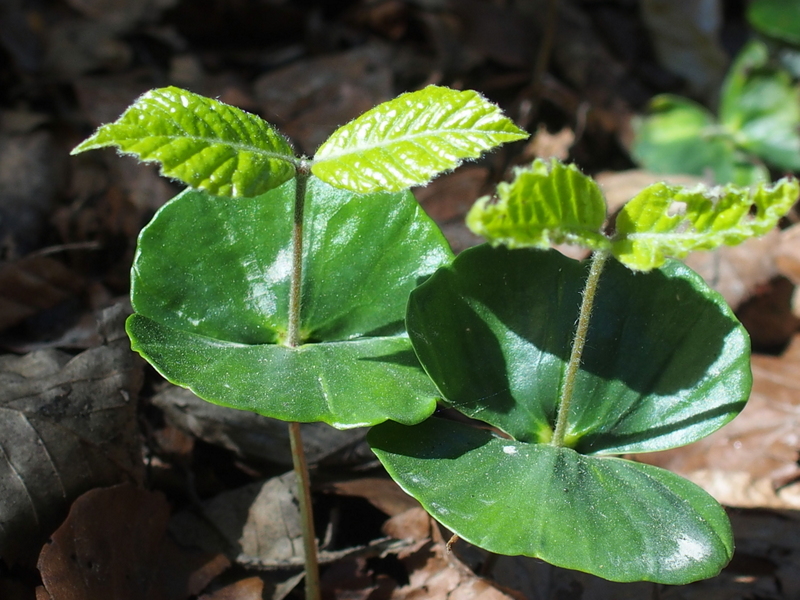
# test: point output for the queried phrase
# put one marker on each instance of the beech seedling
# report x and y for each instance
(316, 289)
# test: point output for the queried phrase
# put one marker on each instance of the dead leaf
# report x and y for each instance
(752, 461)
(34, 284)
(447, 201)
(251, 588)
(435, 574)
(258, 522)
(31, 169)
(413, 524)
(384, 494)
(546, 145)
(113, 545)
(738, 272)
(67, 424)
(121, 15)
(311, 98)
(254, 436)
(768, 316)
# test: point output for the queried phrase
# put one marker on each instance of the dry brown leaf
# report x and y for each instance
(259, 522)
(384, 494)
(787, 254)
(413, 524)
(113, 544)
(254, 436)
(447, 200)
(436, 574)
(251, 588)
(30, 175)
(67, 424)
(311, 98)
(752, 461)
(34, 284)
(738, 272)
(546, 145)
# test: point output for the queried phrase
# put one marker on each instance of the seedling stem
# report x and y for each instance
(598, 261)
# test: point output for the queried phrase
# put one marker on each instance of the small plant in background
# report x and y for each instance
(278, 284)
(291, 287)
(758, 125)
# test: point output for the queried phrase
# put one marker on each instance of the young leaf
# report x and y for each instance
(648, 233)
(761, 105)
(545, 204)
(409, 140)
(681, 136)
(204, 143)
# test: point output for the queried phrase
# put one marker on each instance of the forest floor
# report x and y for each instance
(117, 484)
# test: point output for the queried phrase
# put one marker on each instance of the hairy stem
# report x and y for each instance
(294, 339)
(578, 343)
(306, 512)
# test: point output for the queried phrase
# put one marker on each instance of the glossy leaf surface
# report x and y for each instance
(204, 143)
(614, 518)
(681, 136)
(777, 18)
(548, 203)
(211, 286)
(761, 104)
(649, 230)
(409, 140)
(665, 362)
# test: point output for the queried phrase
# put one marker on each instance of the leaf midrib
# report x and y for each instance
(409, 137)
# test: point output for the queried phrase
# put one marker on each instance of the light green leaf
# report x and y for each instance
(204, 143)
(548, 203)
(761, 106)
(411, 139)
(664, 221)
(681, 136)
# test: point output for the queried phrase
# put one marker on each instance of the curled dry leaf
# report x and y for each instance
(113, 544)
(67, 424)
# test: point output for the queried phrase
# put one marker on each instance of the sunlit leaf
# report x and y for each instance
(665, 363)
(617, 519)
(548, 203)
(663, 221)
(204, 143)
(761, 104)
(681, 136)
(409, 140)
(210, 288)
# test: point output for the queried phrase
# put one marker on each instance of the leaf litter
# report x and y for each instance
(70, 422)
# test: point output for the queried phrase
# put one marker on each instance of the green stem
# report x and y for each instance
(578, 343)
(294, 339)
(306, 512)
